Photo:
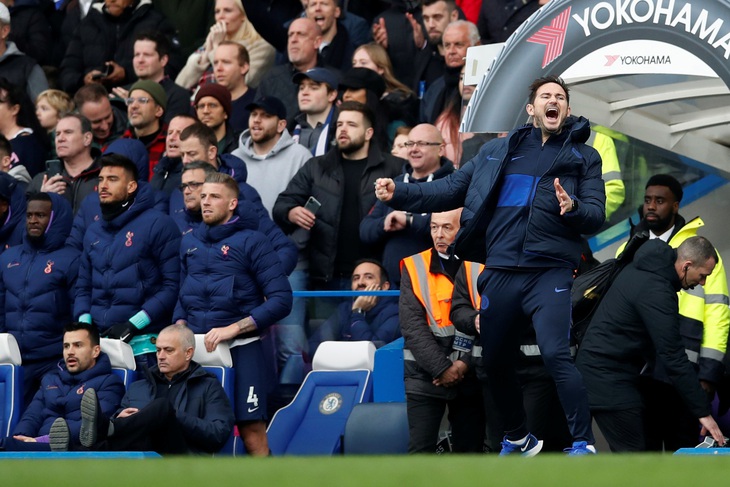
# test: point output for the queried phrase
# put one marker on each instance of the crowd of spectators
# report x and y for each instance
(115, 115)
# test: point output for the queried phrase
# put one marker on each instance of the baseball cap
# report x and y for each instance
(269, 104)
(320, 75)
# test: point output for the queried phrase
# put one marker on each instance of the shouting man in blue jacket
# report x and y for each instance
(130, 268)
(527, 199)
(232, 287)
(37, 281)
(57, 404)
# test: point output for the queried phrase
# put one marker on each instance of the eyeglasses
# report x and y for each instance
(420, 144)
(142, 99)
(193, 185)
(209, 106)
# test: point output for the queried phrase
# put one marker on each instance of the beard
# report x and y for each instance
(351, 146)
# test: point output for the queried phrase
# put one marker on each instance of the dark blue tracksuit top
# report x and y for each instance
(506, 232)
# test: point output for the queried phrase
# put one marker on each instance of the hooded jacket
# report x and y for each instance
(37, 281)
(285, 249)
(130, 264)
(101, 37)
(635, 324)
(90, 212)
(229, 272)
(60, 397)
(202, 409)
(22, 70)
(12, 229)
(476, 186)
(283, 160)
(411, 240)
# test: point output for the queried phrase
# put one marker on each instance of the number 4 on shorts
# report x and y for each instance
(252, 398)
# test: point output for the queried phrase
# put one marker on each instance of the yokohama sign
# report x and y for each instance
(563, 32)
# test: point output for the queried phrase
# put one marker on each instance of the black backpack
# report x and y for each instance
(589, 288)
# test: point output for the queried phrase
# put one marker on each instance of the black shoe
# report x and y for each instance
(59, 435)
(89, 419)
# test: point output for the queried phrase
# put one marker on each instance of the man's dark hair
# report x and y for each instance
(206, 166)
(92, 329)
(40, 197)
(118, 160)
(551, 78)
(85, 123)
(668, 181)
(697, 250)
(450, 4)
(93, 92)
(5, 147)
(355, 106)
(162, 43)
(202, 132)
(383, 273)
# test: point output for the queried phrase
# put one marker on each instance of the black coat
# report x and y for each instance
(323, 178)
(637, 321)
(100, 38)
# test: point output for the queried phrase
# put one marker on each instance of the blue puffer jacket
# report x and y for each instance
(284, 247)
(476, 187)
(37, 287)
(202, 408)
(130, 264)
(13, 228)
(228, 273)
(90, 211)
(60, 397)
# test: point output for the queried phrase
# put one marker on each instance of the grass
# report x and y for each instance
(545, 470)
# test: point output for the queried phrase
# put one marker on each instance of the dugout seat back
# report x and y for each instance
(11, 384)
(121, 356)
(314, 422)
(377, 428)
(220, 363)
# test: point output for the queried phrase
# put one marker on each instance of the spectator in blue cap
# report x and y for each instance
(316, 96)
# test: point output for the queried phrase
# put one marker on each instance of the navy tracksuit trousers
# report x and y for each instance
(511, 299)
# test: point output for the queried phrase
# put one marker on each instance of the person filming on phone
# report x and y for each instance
(75, 174)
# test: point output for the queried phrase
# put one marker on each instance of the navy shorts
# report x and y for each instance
(250, 389)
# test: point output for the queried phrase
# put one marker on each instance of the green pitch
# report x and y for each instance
(402, 471)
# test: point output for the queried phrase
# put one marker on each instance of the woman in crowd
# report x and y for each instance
(399, 100)
(20, 126)
(231, 24)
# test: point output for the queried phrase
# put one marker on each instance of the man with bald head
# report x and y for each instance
(302, 49)
(458, 37)
(400, 233)
(437, 363)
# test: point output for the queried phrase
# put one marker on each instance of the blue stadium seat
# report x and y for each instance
(377, 428)
(220, 364)
(388, 384)
(11, 384)
(314, 422)
(121, 356)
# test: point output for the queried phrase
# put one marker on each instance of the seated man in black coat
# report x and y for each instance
(177, 408)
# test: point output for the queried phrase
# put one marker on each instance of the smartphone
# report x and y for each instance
(53, 167)
(105, 72)
(313, 205)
